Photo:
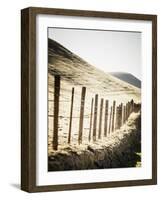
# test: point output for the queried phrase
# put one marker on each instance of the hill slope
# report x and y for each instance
(78, 72)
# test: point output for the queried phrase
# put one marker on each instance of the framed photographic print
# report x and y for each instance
(88, 99)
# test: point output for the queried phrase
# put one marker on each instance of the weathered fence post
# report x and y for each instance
(132, 105)
(113, 116)
(126, 111)
(121, 113)
(71, 113)
(129, 108)
(124, 114)
(81, 115)
(109, 129)
(100, 119)
(117, 118)
(95, 117)
(56, 111)
(106, 118)
(91, 116)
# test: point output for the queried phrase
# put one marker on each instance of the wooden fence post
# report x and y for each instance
(121, 113)
(100, 119)
(56, 111)
(132, 105)
(126, 111)
(129, 108)
(81, 115)
(106, 119)
(117, 118)
(91, 116)
(124, 114)
(109, 129)
(95, 117)
(71, 113)
(113, 116)
(120, 116)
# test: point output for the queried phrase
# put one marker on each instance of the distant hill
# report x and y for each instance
(127, 77)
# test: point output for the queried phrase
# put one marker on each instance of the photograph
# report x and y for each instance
(94, 99)
(89, 99)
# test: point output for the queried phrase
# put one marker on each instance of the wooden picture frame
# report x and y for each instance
(28, 98)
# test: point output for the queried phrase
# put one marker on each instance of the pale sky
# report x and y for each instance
(107, 50)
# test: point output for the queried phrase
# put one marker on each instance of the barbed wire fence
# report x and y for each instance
(115, 116)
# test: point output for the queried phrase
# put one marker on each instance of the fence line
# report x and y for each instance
(108, 118)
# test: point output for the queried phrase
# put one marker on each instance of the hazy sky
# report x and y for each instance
(107, 50)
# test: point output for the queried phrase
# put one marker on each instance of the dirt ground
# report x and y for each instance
(121, 149)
